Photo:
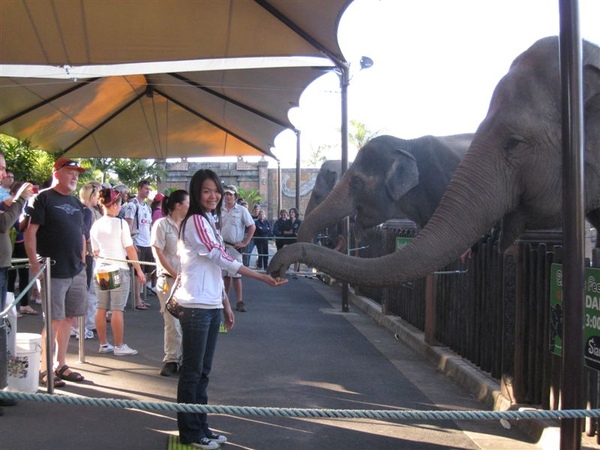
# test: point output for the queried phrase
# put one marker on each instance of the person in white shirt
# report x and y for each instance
(202, 300)
(139, 217)
(110, 238)
(164, 247)
(235, 220)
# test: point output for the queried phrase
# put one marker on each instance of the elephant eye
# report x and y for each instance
(357, 184)
(511, 143)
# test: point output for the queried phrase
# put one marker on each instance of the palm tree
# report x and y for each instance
(360, 134)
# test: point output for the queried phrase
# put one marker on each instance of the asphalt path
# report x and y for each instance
(293, 348)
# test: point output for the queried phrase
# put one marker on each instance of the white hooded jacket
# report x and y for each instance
(203, 257)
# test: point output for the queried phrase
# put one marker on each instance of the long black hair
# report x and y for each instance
(168, 203)
(195, 193)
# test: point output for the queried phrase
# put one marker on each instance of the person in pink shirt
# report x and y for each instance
(156, 207)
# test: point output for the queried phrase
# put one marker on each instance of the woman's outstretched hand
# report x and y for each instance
(278, 281)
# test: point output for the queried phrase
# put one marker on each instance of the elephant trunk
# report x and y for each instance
(479, 194)
(331, 211)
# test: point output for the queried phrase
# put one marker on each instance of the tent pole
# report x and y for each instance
(297, 205)
(344, 82)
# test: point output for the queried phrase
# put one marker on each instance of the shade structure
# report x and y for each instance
(211, 105)
(154, 116)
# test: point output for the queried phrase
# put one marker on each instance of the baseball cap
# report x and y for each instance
(69, 163)
(231, 189)
(159, 197)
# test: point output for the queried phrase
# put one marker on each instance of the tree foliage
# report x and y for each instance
(318, 156)
(131, 171)
(34, 165)
(360, 134)
(251, 196)
(26, 162)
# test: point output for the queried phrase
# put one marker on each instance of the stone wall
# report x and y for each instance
(249, 176)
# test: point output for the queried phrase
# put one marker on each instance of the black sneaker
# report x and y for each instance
(170, 368)
(240, 307)
(205, 444)
(218, 438)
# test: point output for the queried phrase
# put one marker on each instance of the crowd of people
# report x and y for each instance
(197, 243)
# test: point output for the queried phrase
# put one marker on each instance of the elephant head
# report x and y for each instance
(390, 178)
(327, 178)
(512, 172)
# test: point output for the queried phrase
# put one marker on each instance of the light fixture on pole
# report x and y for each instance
(365, 62)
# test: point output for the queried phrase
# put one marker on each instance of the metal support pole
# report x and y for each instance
(298, 171)
(81, 346)
(344, 82)
(573, 220)
(46, 295)
(279, 205)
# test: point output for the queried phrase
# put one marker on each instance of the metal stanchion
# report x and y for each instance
(49, 332)
(81, 326)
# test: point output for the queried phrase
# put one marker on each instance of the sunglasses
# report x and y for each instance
(68, 164)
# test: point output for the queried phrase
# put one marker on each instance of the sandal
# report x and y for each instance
(58, 383)
(28, 310)
(141, 307)
(73, 376)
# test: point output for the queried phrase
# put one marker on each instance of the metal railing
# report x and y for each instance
(492, 309)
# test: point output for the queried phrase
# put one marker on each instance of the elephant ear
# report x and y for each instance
(402, 175)
(591, 89)
(591, 93)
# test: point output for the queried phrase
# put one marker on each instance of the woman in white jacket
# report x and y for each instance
(202, 298)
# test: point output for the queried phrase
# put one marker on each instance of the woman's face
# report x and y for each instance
(292, 214)
(183, 206)
(94, 197)
(210, 196)
(261, 215)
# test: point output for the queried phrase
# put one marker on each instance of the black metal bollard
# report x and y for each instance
(3, 353)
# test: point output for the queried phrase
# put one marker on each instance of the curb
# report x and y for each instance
(545, 433)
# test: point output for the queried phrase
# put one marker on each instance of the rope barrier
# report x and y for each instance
(526, 414)
(128, 261)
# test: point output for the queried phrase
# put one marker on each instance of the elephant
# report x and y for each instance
(390, 178)
(511, 172)
(327, 178)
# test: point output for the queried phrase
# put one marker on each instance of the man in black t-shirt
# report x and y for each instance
(56, 231)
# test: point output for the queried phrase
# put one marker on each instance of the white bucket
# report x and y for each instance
(108, 277)
(24, 366)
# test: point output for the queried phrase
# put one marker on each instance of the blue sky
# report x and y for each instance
(436, 64)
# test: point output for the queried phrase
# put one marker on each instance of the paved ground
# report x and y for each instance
(292, 349)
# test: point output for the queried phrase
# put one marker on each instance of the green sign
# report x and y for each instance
(402, 242)
(591, 319)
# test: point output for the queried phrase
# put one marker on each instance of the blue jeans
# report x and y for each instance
(200, 329)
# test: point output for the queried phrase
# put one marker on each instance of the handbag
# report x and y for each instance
(172, 306)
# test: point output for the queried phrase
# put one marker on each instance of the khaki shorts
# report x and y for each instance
(68, 296)
(237, 256)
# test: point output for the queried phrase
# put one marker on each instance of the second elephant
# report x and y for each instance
(390, 178)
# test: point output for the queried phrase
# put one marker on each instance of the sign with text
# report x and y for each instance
(402, 242)
(591, 319)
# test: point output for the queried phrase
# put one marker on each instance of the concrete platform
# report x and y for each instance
(293, 348)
